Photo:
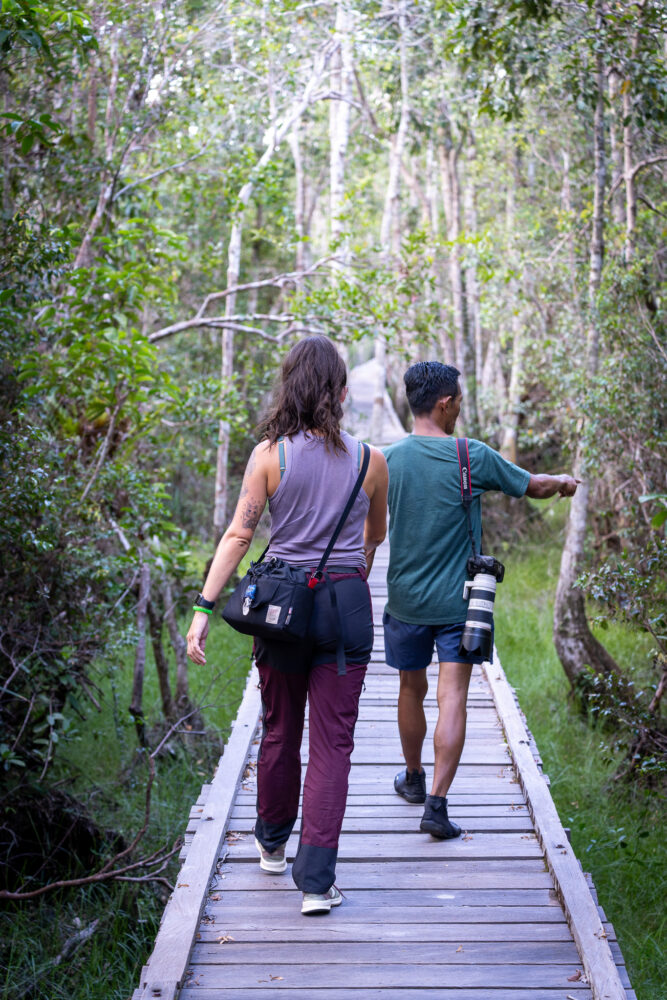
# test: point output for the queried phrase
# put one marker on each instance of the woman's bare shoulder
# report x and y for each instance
(265, 454)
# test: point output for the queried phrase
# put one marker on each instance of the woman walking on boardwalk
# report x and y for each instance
(306, 466)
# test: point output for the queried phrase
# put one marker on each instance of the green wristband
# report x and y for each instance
(207, 611)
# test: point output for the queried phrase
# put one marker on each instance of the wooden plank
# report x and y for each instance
(388, 953)
(455, 876)
(375, 755)
(578, 990)
(283, 894)
(580, 909)
(398, 808)
(376, 917)
(342, 930)
(166, 968)
(282, 977)
(415, 846)
(506, 794)
(379, 823)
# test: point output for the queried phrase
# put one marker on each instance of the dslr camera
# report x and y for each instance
(480, 592)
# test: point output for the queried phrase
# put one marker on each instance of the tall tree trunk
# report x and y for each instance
(339, 119)
(276, 135)
(615, 147)
(566, 195)
(300, 220)
(390, 216)
(92, 104)
(433, 198)
(630, 192)
(629, 176)
(451, 194)
(512, 410)
(576, 646)
(342, 81)
(473, 306)
(493, 380)
(136, 704)
(161, 665)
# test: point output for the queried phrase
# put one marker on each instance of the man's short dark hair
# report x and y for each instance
(428, 381)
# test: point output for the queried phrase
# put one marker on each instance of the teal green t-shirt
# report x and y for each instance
(429, 543)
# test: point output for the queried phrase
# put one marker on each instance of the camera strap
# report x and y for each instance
(463, 456)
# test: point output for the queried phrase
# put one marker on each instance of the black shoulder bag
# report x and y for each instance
(274, 600)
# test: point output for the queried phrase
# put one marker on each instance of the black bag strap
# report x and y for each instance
(463, 455)
(317, 575)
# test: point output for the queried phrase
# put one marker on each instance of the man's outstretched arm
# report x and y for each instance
(541, 487)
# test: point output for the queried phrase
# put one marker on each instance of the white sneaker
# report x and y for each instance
(271, 861)
(321, 902)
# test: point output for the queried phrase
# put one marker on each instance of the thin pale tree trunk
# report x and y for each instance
(566, 195)
(390, 216)
(277, 134)
(576, 646)
(628, 153)
(473, 306)
(512, 413)
(300, 221)
(339, 119)
(451, 195)
(438, 291)
(615, 146)
(342, 82)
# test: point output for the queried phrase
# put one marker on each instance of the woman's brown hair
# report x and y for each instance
(307, 395)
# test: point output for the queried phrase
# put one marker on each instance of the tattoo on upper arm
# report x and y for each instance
(250, 514)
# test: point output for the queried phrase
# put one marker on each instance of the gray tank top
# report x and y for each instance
(310, 499)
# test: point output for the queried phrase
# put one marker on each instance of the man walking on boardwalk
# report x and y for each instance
(429, 549)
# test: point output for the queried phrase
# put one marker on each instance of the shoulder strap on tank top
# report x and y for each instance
(281, 455)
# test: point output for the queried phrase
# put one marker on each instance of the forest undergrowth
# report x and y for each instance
(616, 828)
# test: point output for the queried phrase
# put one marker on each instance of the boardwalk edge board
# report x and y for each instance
(569, 880)
(165, 971)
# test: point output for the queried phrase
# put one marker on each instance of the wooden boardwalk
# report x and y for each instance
(502, 913)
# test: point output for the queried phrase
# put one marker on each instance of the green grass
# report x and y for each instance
(617, 829)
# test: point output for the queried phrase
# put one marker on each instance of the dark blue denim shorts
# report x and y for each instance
(410, 647)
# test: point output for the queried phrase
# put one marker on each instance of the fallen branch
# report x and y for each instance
(75, 941)
(108, 872)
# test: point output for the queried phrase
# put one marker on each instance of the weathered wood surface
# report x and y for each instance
(494, 915)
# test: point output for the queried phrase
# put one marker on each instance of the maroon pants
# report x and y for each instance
(333, 707)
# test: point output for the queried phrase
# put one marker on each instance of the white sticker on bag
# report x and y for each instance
(273, 614)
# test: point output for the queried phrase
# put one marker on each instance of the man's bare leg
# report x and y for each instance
(411, 717)
(450, 730)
